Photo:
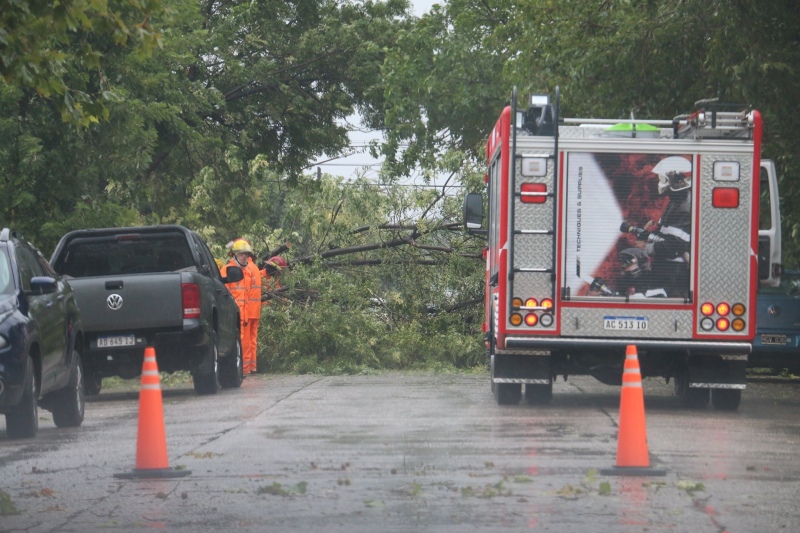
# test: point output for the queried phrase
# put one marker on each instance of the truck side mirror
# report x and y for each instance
(473, 213)
(233, 274)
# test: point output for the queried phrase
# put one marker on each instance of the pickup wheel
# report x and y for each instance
(23, 421)
(70, 403)
(231, 372)
(726, 399)
(206, 376)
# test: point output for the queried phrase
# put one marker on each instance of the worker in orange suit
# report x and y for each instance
(253, 312)
(272, 270)
(240, 252)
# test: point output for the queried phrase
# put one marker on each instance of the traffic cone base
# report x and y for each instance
(633, 458)
(151, 441)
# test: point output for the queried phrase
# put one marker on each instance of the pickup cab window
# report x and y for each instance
(128, 254)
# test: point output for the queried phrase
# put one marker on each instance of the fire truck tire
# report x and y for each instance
(726, 399)
(508, 393)
(539, 394)
(691, 398)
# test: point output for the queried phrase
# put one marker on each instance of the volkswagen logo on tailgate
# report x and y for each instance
(114, 301)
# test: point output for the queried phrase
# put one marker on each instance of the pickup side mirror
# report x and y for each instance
(473, 213)
(43, 285)
(233, 274)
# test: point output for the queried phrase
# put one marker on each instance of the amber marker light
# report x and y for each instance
(515, 319)
(531, 302)
(737, 324)
(547, 303)
(707, 309)
(531, 319)
(516, 302)
(723, 309)
(739, 309)
(723, 324)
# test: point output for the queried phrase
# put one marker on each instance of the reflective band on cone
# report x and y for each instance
(633, 458)
(151, 440)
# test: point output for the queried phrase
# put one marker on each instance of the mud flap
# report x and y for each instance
(718, 372)
(516, 368)
(206, 364)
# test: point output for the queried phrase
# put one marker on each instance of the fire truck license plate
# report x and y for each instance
(625, 323)
(112, 342)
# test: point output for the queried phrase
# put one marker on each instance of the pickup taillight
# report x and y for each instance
(190, 293)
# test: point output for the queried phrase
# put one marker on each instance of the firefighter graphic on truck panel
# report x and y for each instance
(618, 203)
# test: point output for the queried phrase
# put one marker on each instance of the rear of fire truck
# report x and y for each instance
(607, 233)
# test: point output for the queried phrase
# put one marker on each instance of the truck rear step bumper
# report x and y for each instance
(695, 347)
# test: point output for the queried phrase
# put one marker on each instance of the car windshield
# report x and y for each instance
(6, 283)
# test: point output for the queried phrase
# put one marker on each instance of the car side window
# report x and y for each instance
(29, 266)
(6, 285)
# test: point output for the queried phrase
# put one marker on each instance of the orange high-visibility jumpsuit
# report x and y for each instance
(253, 313)
(241, 291)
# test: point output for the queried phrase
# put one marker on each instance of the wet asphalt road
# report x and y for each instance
(409, 452)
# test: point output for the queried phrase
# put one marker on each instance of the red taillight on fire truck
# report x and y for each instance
(722, 322)
(531, 302)
(533, 193)
(725, 198)
(547, 303)
(190, 296)
(531, 319)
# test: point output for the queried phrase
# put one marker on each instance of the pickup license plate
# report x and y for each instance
(781, 340)
(625, 323)
(115, 341)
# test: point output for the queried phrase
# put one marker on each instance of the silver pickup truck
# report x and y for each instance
(153, 286)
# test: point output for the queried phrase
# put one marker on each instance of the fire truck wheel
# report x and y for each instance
(539, 394)
(726, 399)
(508, 393)
(691, 398)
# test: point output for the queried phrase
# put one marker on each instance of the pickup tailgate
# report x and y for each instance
(130, 302)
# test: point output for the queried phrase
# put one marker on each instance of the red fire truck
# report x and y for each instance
(609, 233)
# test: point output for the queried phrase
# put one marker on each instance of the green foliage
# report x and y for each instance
(374, 307)
(40, 42)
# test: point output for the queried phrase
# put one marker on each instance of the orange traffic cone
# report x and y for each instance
(633, 458)
(151, 441)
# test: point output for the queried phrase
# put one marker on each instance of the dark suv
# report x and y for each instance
(40, 341)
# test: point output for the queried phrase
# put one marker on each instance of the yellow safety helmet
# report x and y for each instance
(241, 245)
